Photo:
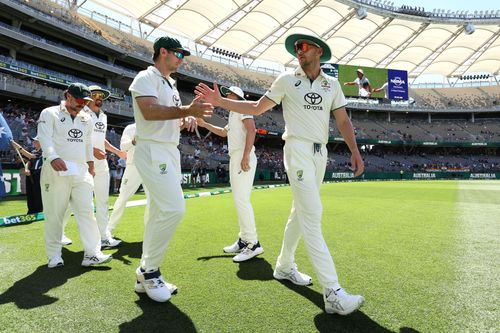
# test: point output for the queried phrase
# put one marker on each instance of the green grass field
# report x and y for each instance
(424, 254)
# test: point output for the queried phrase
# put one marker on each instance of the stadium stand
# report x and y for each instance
(466, 114)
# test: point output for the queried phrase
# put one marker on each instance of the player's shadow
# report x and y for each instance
(124, 250)
(158, 317)
(355, 322)
(206, 258)
(29, 292)
(255, 269)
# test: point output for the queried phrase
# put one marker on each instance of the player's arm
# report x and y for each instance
(347, 131)
(220, 131)
(89, 150)
(349, 83)
(127, 140)
(152, 110)
(213, 96)
(109, 147)
(249, 141)
(45, 133)
(22, 151)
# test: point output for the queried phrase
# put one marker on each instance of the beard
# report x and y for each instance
(98, 103)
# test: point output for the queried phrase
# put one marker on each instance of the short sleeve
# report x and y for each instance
(338, 97)
(278, 89)
(143, 85)
(245, 116)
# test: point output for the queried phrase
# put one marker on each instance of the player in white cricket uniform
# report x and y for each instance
(384, 88)
(308, 96)
(131, 178)
(364, 86)
(101, 178)
(240, 132)
(65, 134)
(159, 116)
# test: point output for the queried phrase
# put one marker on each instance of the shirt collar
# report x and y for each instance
(157, 72)
(300, 72)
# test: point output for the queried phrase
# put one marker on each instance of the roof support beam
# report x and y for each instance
(357, 48)
(402, 46)
(279, 31)
(472, 59)
(422, 66)
(227, 22)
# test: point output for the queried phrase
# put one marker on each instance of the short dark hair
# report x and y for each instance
(156, 54)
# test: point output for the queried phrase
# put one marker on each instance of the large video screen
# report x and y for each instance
(369, 82)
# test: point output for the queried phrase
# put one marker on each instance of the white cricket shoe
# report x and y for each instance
(139, 288)
(154, 285)
(96, 259)
(56, 261)
(250, 251)
(110, 243)
(236, 247)
(293, 275)
(339, 301)
(65, 240)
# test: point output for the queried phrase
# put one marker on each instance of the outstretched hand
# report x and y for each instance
(190, 123)
(209, 95)
(199, 109)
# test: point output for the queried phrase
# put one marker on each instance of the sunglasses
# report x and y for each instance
(178, 54)
(98, 95)
(303, 46)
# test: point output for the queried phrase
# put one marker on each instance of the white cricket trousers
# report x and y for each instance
(130, 184)
(160, 169)
(241, 187)
(101, 193)
(305, 168)
(57, 193)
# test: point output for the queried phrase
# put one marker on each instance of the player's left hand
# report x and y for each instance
(245, 163)
(357, 164)
(189, 123)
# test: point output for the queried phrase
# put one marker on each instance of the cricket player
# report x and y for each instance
(364, 86)
(159, 116)
(101, 178)
(308, 96)
(240, 133)
(65, 134)
(131, 178)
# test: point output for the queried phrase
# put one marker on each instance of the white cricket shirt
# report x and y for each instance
(63, 137)
(100, 125)
(236, 131)
(360, 83)
(126, 142)
(306, 105)
(150, 83)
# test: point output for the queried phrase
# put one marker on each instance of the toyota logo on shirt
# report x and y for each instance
(74, 135)
(313, 100)
(99, 127)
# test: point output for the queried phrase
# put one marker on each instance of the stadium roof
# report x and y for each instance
(386, 38)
